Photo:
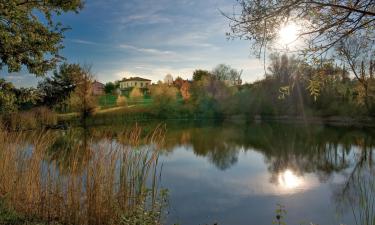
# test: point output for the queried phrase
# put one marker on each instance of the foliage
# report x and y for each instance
(141, 215)
(29, 36)
(325, 23)
(109, 88)
(280, 214)
(13, 99)
(121, 101)
(136, 94)
(164, 97)
(228, 74)
(57, 88)
(200, 74)
(185, 90)
(7, 97)
(82, 99)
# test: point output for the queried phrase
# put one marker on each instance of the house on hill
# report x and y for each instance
(129, 83)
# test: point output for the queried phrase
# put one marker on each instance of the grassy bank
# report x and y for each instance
(65, 178)
(123, 115)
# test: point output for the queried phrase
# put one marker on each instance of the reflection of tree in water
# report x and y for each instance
(71, 146)
(209, 142)
(312, 149)
(357, 192)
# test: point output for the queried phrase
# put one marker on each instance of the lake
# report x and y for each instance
(239, 174)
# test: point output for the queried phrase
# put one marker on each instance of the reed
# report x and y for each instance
(36, 118)
(99, 182)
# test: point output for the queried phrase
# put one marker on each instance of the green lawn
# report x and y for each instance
(109, 101)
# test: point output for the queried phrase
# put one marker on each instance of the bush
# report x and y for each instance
(121, 101)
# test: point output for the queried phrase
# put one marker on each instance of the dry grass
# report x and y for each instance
(98, 182)
(27, 120)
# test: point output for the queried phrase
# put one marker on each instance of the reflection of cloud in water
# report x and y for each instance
(249, 177)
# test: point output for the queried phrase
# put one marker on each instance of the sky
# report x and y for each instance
(148, 38)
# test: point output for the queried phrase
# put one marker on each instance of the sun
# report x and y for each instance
(288, 34)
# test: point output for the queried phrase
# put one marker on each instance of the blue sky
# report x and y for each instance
(148, 38)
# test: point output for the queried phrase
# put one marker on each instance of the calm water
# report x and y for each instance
(238, 174)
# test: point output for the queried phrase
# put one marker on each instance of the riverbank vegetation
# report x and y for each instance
(69, 178)
(292, 88)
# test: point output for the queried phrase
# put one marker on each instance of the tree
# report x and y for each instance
(164, 98)
(226, 73)
(29, 36)
(185, 91)
(56, 89)
(109, 87)
(325, 22)
(178, 82)
(7, 97)
(136, 94)
(168, 79)
(359, 55)
(200, 74)
(82, 99)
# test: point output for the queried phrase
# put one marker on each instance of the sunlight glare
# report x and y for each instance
(289, 180)
(288, 34)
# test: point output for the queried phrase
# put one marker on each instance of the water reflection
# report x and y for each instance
(229, 173)
(288, 180)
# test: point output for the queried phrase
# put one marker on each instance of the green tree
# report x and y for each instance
(57, 88)
(227, 73)
(29, 36)
(109, 87)
(7, 97)
(200, 74)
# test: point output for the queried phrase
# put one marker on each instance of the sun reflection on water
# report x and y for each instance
(289, 180)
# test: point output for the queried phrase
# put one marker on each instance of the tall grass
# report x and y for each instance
(36, 118)
(99, 182)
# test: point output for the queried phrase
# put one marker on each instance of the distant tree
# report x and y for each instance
(121, 100)
(283, 67)
(136, 94)
(29, 36)
(185, 91)
(168, 79)
(200, 74)
(178, 82)
(226, 73)
(325, 23)
(109, 88)
(164, 98)
(57, 88)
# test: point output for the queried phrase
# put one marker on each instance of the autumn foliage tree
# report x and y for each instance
(82, 99)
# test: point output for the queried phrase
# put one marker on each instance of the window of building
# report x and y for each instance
(141, 84)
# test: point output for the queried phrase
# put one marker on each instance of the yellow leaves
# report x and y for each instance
(284, 91)
(314, 88)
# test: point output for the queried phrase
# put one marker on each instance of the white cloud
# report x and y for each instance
(146, 50)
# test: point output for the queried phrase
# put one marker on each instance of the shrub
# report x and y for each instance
(121, 101)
